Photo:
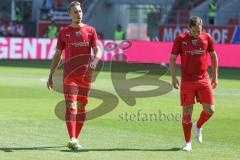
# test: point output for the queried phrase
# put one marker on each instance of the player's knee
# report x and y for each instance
(187, 110)
(187, 115)
(71, 104)
(81, 106)
(186, 118)
(210, 109)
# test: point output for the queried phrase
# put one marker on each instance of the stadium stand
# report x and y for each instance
(180, 12)
(227, 14)
(138, 19)
(57, 10)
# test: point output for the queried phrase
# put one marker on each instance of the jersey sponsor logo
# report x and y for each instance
(195, 52)
(80, 44)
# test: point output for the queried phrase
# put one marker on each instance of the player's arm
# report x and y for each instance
(96, 50)
(214, 60)
(55, 62)
(97, 56)
(172, 64)
(172, 67)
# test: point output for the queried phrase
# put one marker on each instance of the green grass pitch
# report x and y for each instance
(29, 128)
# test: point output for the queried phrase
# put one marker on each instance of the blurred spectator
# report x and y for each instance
(213, 7)
(119, 34)
(17, 16)
(52, 30)
(3, 29)
(19, 30)
(153, 26)
(11, 29)
(4, 15)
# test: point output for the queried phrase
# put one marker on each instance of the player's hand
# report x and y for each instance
(93, 64)
(50, 83)
(175, 83)
(214, 82)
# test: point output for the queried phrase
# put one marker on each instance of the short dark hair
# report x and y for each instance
(195, 21)
(73, 3)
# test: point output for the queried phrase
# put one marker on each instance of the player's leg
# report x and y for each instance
(70, 94)
(82, 100)
(187, 94)
(70, 117)
(84, 86)
(205, 97)
(187, 126)
(205, 115)
(81, 116)
(81, 110)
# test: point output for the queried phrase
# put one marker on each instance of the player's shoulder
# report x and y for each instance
(89, 28)
(205, 34)
(64, 29)
(182, 36)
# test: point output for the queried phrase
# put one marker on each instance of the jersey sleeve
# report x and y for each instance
(210, 44)
(60, 43)
(176, 49)
(94, 38)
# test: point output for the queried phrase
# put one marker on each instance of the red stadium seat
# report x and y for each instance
(232, 21)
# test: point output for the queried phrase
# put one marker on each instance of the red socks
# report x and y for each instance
(74, 121)
(70, 118)
(80, 118)
(187, 126)
(203, 118)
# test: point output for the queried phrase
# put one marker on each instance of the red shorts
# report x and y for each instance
(76, 89)
(201, 89)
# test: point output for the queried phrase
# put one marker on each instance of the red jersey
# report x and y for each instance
(77, 43)
(194, 53)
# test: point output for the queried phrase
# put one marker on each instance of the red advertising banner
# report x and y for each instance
(134, 51)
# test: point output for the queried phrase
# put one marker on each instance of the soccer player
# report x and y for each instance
(77, 40)
(194, 47)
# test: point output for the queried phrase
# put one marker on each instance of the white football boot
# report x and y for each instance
(73, 144)
(198, 133)
(187, 147)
